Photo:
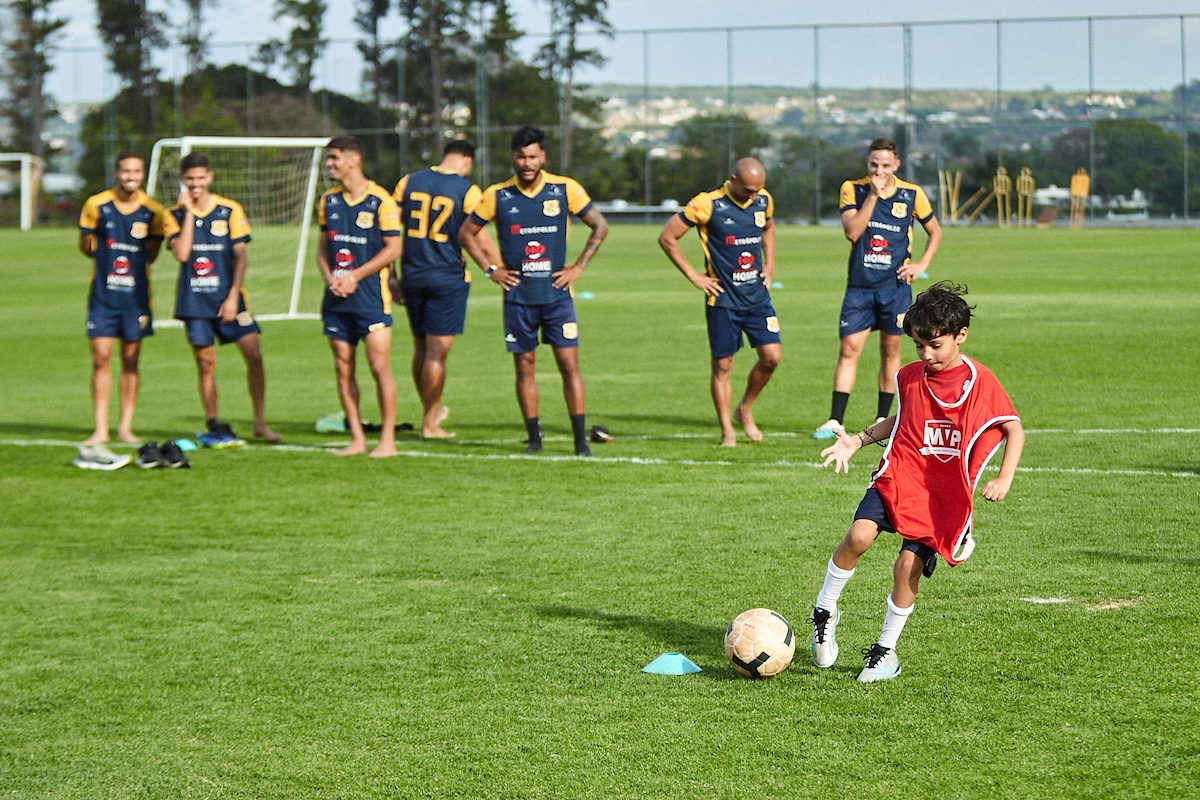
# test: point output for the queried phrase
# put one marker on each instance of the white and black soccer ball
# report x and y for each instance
(760, 643)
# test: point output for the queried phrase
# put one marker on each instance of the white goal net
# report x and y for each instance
(277, 180)
(20, 184)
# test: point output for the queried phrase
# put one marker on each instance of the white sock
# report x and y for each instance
(831, 590)
(893, 623)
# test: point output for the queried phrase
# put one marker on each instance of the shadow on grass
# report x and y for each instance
(1176, 469)
(1138, 558)
(31, 430)
(703, 423)
(689, 638)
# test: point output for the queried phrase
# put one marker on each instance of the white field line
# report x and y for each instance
(642, 461)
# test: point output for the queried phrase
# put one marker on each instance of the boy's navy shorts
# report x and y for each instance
(871, 508)
(128, 326)
(436, 310)
(555, 320)
(349, 327)
(875, 309)
(726, 325)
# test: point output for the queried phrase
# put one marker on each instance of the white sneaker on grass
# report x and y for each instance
(882, 664)
(100, 457)
(824, 641)
(828, 430)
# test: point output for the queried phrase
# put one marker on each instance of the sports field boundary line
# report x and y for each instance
(635, 460)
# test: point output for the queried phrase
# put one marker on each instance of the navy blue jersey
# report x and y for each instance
(121, 264)
(886, 244)
(531, 227)
(205, 278)
(433, 206)
(353, 231)
(731, 234)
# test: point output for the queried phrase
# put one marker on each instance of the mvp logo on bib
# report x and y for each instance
(942, 440)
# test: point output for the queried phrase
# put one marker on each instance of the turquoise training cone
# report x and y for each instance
(671, 664)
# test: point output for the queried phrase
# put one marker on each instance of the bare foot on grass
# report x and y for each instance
(746, 420)
(384, 450)
(266, 434)
(99, 437)
(129, 437)
(352, 449)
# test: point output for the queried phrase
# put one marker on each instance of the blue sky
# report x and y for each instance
(1128, 54)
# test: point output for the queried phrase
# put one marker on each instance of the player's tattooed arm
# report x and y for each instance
(599, 225)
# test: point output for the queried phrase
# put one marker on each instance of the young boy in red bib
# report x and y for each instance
(953, 417)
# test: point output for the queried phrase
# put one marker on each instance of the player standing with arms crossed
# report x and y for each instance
(360, 226)
(121, 231)
(877, 217)
(737, 231)
(208, 234)
(531, 212)
(954, 415)
(433, 280)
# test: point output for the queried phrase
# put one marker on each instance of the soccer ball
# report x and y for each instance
(759, 643)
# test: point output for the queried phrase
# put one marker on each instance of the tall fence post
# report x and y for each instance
(816, 88)
(1183, 119)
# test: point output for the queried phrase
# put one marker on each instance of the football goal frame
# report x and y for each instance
(186, 144)
(32, 169)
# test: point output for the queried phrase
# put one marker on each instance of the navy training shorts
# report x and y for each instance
(875, 309)
(128, 326)
(436, 310)
(871, 508)
(726, 326)
(555, 320)
(346, 326)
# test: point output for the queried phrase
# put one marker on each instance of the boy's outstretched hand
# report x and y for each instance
(840, 451)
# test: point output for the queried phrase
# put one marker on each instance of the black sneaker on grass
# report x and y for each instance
(173, 457)
(149, 456)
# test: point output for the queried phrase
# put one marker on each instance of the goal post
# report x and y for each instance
(276, 179)
(25, 180)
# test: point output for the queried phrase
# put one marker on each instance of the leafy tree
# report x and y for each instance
(708, 145)
(562, 55)
(193, 38)
(1139, 154)
(792, 175)
(130, 33)
(304, 44)
(30, 47)
(374, 54)
(438, 64)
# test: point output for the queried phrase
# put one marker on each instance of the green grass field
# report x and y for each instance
(465, 621)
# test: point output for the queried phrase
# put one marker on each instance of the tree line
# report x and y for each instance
(458, 65)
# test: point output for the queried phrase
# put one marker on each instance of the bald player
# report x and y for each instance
(737, 233)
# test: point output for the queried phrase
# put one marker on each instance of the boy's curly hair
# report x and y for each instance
(938, 311)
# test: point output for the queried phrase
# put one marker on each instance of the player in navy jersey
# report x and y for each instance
(737, 232)
(208, 234)
(434, 281)
(121, 231)
(360, 227)
(878, 212)
(531, 212)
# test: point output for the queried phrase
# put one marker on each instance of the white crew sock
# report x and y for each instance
(831, 590)
(893, 623)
